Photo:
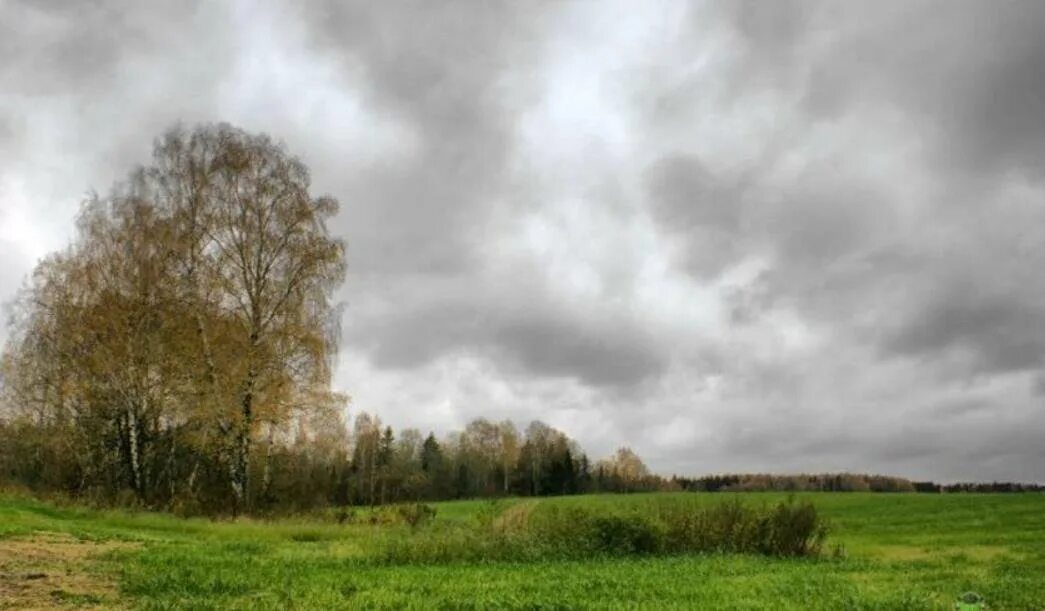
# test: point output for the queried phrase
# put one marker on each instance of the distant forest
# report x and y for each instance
(178, 354)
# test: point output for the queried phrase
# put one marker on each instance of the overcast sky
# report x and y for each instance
(737, 236)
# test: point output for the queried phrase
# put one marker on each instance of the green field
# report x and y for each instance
(902, 551)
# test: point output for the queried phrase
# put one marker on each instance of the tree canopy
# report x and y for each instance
(191, 317)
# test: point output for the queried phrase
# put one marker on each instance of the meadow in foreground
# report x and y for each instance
(884, 551)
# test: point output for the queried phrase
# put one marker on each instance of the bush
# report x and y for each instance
(788, 528)
(416, 514)
(792, 529)
(581, 531)
(623, 535)
(530, 531)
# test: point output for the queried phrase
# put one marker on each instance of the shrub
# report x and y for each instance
(622, 535)
(582, 531)
(788, 528)
(792, 529)
(532, 531)
(416, 514)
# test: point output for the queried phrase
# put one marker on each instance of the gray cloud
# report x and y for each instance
(959, 80)
(439, 70)
(605, 354)
(735, 236)
(538, 338)
(966, 70)
(76, 46)
(692, 203)
(1003, 332)
(688, 196)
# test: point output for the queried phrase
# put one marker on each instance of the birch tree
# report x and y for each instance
(193, 311)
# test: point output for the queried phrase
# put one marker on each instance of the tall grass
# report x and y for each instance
(533, 531)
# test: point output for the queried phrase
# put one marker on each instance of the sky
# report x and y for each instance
(735, 236)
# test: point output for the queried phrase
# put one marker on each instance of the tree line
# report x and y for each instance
(485, 459)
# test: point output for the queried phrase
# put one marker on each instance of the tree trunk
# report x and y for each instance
(191, 484)
(134, 452)
(266, 476)
(373, 476)
(240, 467)
(171, 471)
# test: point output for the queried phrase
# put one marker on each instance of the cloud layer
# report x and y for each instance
(804, 236)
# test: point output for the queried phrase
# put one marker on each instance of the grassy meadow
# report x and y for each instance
(902, 551)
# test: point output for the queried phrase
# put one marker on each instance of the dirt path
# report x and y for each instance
(54, 571)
